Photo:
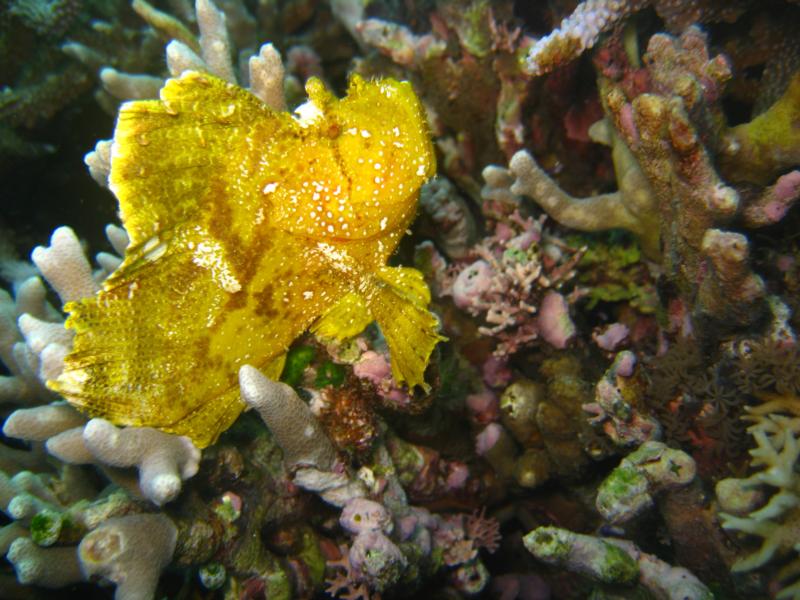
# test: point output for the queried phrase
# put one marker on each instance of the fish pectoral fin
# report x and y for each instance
(346, 319)
(399, 304)
(274, 368)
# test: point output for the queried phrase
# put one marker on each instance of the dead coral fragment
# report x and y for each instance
(163, 460)
(610, 560)
(47, 567)
(650, 469)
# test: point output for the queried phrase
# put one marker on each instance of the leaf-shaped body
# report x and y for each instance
(247, 226)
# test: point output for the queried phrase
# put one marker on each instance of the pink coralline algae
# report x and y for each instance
(611, 337)
(374, 367)
(461, 536)
(514, 284)
(346, 583)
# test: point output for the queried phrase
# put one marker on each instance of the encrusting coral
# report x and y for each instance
(677, 102)
(610, 560)
(650, 469)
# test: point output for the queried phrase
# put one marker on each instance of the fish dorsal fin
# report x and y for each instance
(191, 153)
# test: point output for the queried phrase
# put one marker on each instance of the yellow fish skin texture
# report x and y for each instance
(247, 227)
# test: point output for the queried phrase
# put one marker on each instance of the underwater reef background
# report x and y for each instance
(584, 379)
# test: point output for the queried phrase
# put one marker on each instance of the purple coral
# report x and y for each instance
(483, 531)
(375, 367)
(471, 284)
(361, 515)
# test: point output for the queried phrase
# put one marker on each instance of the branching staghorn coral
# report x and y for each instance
(392, 541)
(296, 429)
(582, 29)
(211, 52)
(50, 514)
(630, 208)
(163, 460)
(776, 431)
(33, 341)
(130, 551)
(221, 39)
(670, 193)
